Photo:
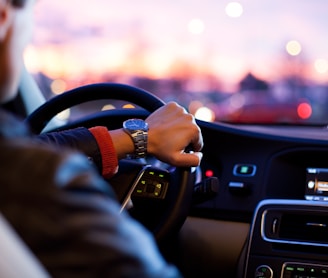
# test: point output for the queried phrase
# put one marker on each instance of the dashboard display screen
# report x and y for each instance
(316, 184)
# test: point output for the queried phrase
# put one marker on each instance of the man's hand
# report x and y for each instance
(171, 130)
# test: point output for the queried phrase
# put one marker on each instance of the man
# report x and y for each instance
(57, 202)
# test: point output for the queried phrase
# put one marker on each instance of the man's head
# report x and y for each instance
(16, 24)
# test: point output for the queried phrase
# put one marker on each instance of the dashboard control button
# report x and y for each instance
(263, 271)
(206, 190)
(304, 270)
(245, 170)
(234, 184)
(239, 188)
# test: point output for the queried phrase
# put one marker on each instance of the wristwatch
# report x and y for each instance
(138, 130)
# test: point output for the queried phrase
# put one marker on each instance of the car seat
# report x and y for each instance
(16, 260)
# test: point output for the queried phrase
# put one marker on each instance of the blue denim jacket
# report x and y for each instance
(66, 213)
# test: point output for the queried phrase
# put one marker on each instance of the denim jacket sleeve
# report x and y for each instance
(80, 139)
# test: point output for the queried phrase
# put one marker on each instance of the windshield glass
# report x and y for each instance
(241, 62)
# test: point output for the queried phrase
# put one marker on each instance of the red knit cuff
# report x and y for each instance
(107, 150)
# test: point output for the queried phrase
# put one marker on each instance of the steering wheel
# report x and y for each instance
(164, 212)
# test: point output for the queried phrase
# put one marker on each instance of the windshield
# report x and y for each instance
(241, 62)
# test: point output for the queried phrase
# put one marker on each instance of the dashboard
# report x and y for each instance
(274, 178)
(253, 164)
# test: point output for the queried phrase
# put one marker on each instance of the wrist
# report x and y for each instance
(123, 143)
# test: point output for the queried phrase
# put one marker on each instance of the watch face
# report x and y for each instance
(135, 124)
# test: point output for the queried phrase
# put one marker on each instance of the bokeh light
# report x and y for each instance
(293, 48)
(205, 114)
(58, 86)
(304, 110)
(108, 107)
(64, 115)
(194, 106)
(129, 106)
(196, 26)
(237, 101)
(321, 66)
(234, 9)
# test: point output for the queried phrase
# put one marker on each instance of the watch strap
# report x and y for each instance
(140, 139)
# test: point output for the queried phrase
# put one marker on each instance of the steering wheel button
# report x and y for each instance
(158, 189)
(139, 191)
(150, 188)
(153, 184)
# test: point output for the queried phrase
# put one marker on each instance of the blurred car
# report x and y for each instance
(260, 108)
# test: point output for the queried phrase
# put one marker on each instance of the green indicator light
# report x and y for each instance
(151, 173)
(156, 193)
(244, 169)
(139, 191)
(312, 270)
(161, 175)
(264, 269)
(300, 269)
(289, 268)
(143, 182)
(324, 271)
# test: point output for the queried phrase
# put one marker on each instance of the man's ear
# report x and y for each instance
(5, 18)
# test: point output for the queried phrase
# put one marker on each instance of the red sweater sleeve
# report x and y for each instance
(107, 150)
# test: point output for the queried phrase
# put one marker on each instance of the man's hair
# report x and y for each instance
(18, 3)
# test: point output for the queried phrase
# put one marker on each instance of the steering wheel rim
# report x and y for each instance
(42, 115)
(176, 211)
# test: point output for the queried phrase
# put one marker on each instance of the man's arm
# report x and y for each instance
(95, 143)
(69, 217)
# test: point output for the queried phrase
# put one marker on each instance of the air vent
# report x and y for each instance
(309, 227)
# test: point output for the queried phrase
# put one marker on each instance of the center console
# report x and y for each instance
(288, 239)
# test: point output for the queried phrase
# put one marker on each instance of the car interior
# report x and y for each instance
(255, 207)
